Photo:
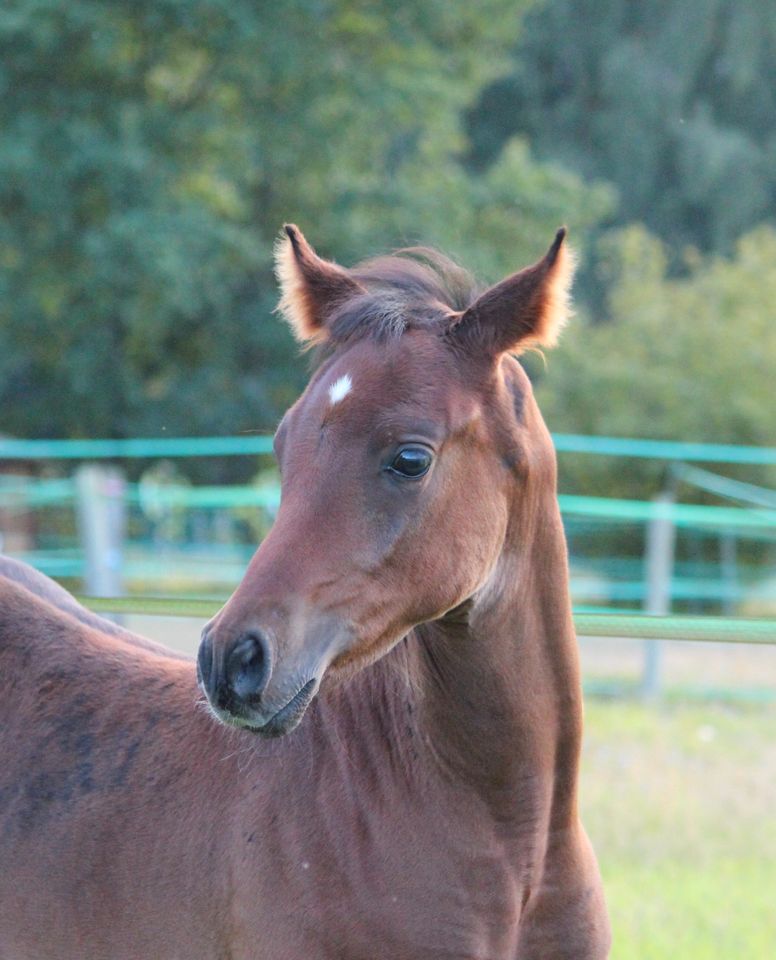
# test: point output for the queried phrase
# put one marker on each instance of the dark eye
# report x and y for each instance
(411, 462)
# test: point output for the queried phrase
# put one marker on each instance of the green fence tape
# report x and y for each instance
(47, 492)
(153, 606)
(682, 514)
(639, 626)
(725, 486)
(255, 444)
(149, 447)
(663, 449)
(201, 496)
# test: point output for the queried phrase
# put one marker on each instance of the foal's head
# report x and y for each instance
(401, 464)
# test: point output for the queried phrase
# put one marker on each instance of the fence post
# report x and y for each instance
(728, 561)
(101, 510)
(659, 562)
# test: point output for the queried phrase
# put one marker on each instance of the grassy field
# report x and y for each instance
(680, 802)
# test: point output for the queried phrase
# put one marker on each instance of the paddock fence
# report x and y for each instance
(636, 626)
(162, 546)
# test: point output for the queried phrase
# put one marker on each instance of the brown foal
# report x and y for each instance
(408, 612)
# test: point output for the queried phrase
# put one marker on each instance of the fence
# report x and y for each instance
(638, 626)
(110, 546)
(655, 577)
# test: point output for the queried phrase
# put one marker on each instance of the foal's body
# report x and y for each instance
(427, 805)
(365, 834)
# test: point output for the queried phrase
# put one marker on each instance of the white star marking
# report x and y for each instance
(340, 389)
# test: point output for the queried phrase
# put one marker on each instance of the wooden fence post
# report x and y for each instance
(659, 562)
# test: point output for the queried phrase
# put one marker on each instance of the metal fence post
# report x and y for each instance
(101, 510)
(659, 562)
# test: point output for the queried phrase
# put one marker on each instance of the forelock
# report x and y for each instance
(414, 287)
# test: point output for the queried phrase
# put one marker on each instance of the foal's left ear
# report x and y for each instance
(527, 309)
(311, 287)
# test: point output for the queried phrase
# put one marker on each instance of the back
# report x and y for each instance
(98, 741)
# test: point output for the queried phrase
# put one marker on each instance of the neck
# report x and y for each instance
(501, 700)
(492, 691)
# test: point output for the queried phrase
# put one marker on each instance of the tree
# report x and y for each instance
(682, 359)
(151, 152)
(673, 102)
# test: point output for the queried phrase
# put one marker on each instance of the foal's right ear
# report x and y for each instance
(311, 287)
(527, 309)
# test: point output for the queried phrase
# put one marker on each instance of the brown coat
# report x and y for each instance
(415, 626)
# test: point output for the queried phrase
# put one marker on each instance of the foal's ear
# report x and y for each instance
(310, 287)
(527, 309)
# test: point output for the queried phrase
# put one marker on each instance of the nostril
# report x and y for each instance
(249, 667)
(205, 661)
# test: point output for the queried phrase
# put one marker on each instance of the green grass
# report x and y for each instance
(680, 802)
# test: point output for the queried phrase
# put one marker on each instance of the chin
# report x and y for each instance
(278, 724)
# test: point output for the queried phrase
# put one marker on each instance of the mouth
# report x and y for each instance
(279, 724)
(288, 717)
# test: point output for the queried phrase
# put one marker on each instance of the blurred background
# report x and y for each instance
(150, 152)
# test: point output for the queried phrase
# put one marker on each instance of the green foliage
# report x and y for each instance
(673, 102)
(120, 282)
(152, 150)
(689, 358)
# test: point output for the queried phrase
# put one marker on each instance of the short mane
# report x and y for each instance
(413, 287)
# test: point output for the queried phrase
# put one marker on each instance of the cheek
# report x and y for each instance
(471, 527)
(438, 550)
